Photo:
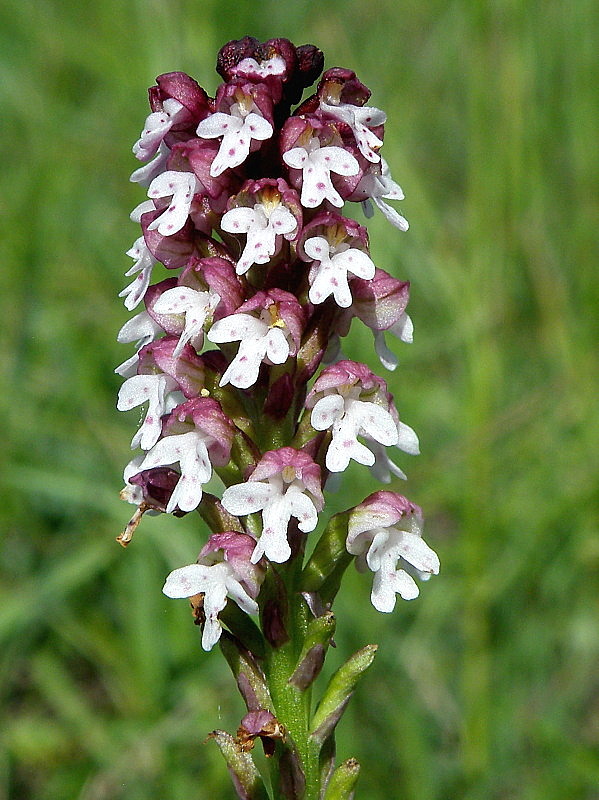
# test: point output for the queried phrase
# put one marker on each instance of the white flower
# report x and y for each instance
(278, 502)
(142, 330)
(181, 187)
(317, 163)
(404, 330)
(190, 451)
(156, 126)
(195, 306)
(262, 224)
(381, 187)
(238, 129)
(155, 390)
(382, 549)
(144, 264)
(360, 119)
(333, 263)
(348, 418)
(260, 339)
(215, 582)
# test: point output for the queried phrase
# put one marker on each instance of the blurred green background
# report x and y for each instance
(488, 685)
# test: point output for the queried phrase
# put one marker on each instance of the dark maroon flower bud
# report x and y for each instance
(310, 63)
(232, 53)
(185, 90)
(157, 487)
(340, 85)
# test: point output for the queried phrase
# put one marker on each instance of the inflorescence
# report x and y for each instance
(245, 210)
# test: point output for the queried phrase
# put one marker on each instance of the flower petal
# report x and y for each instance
(326, 411)
(236, 327)
(247, 498)
(187, 581)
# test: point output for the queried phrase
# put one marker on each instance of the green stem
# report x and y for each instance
(292, 706)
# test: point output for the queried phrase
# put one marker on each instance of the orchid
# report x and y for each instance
(262, 225)
(155, 390)
(251, 412)
(316, 164)
(332, 264)
(222, 570)
(384, 531)
(195, 306)
(239, 129)
(181, 187)
(360, 119)
(156, 126)
(284, 484)
(144, 264)
(377, 185)
(266, 338)
(140, 329)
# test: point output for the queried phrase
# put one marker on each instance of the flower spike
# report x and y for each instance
(249, 409)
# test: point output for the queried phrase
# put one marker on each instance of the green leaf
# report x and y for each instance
(246, 778)
(318, 638)
(343, 781)
(249, 676)
(339, 691)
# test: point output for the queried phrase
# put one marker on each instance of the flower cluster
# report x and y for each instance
(246, 210)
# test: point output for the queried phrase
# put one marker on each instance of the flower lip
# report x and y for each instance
(243, 118)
